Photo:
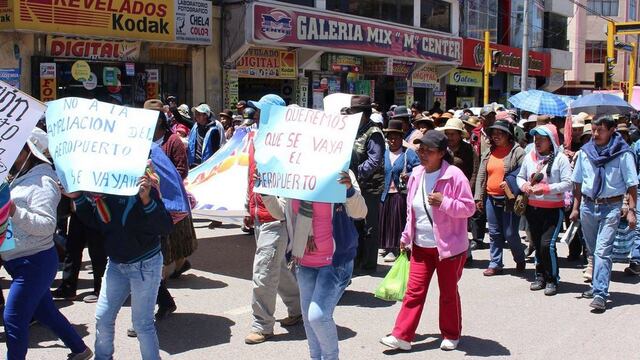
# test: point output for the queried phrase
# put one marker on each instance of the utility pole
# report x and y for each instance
(524, 77)
(487, 67)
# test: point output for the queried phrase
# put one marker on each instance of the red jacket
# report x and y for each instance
(256, 207)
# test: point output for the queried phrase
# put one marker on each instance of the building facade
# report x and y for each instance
(118, 51)
(588, 42)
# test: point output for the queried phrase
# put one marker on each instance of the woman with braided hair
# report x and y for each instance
(545, 176)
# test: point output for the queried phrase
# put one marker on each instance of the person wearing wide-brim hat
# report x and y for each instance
(399, 162)
(464, 157)
(501, 161)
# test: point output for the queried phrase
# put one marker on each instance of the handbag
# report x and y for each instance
(522, 200)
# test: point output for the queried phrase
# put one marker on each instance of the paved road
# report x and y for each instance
(501, 317)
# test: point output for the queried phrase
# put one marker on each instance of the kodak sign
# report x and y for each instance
(152, 20)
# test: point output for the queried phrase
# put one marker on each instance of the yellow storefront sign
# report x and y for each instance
(465, 78)
(268, 63)
(152, 20)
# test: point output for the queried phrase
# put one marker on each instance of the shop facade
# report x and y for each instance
(119, 51)
(394, 64)
(503, 83)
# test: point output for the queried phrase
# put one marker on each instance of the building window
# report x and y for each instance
(435, 15)
(633, 10)
(310, 3)
(397, 11)
(480, 16)
(595, 52)
(536, 23)
(603, 7)
(555, 31)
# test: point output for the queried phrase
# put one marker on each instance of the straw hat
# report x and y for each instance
(472, 121)
(454, 124)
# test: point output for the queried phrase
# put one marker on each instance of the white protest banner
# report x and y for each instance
(97, 146)
(19, 114)
(300, 153)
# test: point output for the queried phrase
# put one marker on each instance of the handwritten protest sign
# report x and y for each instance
(300, 153)
(19, 114)
(97, 146)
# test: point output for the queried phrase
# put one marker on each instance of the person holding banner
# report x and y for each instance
(439, 202)
(399, 162)
(271, 276)
(132, 226)
(204, 138)
(33, 262)
(368, 164)
(324, 244)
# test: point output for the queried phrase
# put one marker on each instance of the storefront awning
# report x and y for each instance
(274, 25)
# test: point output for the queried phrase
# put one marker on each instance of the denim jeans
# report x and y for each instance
(141, 280)
(320, 291)
(503, 226)
(30, 297)
(599, 224)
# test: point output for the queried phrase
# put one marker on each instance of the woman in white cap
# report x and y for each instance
(33, 262)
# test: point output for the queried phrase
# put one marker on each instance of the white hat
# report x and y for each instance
(38, 144)
(531, 119)
(184, 111)
(202, 108)
(377, 118)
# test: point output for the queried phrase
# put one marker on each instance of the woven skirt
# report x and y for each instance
(393, 217)
(181, 242)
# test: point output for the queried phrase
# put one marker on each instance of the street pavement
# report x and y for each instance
(502, 318)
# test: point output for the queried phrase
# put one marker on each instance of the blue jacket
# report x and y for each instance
(210, 143)
(393, 172)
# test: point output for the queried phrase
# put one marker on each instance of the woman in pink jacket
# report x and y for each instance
(439, 201)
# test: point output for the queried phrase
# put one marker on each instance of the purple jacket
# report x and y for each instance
(450, 219)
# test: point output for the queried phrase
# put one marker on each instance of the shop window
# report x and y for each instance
(435, 15)
(397, 11)
(480, 16)
(633, 10)
(595, 52)
(603, 7)
(555, 31)
(536, 23)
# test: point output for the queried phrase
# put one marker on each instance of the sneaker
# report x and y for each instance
(448, 345)
(538, 284)
(291, 320)
(163, 312)
(390, 257)
(395, 343)
(63, 294)
(598, 304)
(632, 269)
(551, 289)
(493, 271)
(85, 355)
(131, 332)
(256, 338)
(90, 299)
(185, 267)
(588, 294)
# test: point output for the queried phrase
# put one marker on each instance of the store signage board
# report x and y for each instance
(469, 78)
(94, 49)
(427, 77)
(11, 77)
(509, 62)
(289, 26)
(268, 63)
(181, 21)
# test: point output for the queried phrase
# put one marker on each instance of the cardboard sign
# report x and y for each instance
(19, 114)
(300, 153)
(97, 147)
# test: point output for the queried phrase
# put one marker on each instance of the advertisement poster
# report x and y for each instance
(11, 77)
(268, 63)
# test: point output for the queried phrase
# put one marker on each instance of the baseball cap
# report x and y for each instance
(202, 108)
(433, 139)
(267, 100)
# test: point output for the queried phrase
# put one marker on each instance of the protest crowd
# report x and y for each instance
(422, 190)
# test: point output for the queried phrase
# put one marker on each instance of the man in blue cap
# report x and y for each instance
(271, 275)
